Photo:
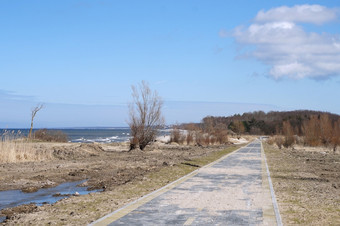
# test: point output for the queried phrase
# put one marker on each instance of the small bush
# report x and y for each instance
(206, 139)
(175, 135)
(190, 137)
(270, 141)
(50, 135)
(279, 141)
(221, 136)
(182, 138)
(199, 139)
(288, 141)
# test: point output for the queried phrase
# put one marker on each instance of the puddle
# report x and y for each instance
(14, 198)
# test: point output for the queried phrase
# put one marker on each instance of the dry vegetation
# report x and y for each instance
(145, 116)
(50, 135)
(16, 148)
(204, 135)
(315, 132)
(306, 183)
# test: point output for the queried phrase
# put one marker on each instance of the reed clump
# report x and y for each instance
(14, 147)
(205, 135)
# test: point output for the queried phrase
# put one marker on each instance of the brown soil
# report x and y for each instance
(307, 185)
(106, 166)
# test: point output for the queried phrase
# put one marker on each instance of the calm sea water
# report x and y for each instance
(88, 135)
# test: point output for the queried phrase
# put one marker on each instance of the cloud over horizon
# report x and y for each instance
(279, 40)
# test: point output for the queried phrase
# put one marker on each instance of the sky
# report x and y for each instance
(219, 58)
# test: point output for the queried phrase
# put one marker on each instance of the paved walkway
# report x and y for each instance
(231, 191)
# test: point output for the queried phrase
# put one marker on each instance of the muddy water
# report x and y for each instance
(14, 198)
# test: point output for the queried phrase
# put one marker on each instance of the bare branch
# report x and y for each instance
(34, 111)
(145, 115)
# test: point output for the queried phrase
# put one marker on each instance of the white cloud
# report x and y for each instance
(287, 48)
(315, 14)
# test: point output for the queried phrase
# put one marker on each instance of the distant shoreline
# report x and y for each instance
(85, 134)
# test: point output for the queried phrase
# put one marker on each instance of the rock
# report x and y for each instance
(72, 174)
(76, 194)
(30, 189)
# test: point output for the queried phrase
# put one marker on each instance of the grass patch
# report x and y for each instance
(16, 148)
(213, 156)
(302, 200)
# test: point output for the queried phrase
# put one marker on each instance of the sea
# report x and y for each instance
(86, 135)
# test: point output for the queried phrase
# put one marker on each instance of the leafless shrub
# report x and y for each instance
(212, 140)
(175, 135)
(238, 127)
(145, 116)
(206, 139)
(221, 136)
(298, 140)
(34, 112)
(208, 133)
(50, 135)
(288, 133)
(335, 141)
(190, 137)
(326, 130)
(279, 141)
(270, 141)
(182, 138)
(311, 130)
(200, 139)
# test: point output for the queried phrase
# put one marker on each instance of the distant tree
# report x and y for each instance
(145, 115)
(288, 133)
(238, 128)
(34, 111)
(326, 129)
(336, 135)
(311, 130)
(208, 124)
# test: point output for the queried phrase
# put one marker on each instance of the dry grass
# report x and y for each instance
(306, 184)
(15, 148)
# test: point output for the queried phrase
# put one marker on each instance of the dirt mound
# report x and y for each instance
(76, 152)
(92, 147)
(10, 212)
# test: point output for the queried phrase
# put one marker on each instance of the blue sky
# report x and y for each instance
(80, 58)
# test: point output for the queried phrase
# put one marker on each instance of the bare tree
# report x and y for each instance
(288, 133)
(145, 115)
(239, 128)
(34, 112)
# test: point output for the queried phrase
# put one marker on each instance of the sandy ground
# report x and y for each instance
(307, 184)
(238, 141)
(105, 166)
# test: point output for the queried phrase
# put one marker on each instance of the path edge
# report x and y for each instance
(272, 192)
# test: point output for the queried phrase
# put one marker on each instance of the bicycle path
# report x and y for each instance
(234, 190)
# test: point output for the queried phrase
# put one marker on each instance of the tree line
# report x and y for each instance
(314, 127)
